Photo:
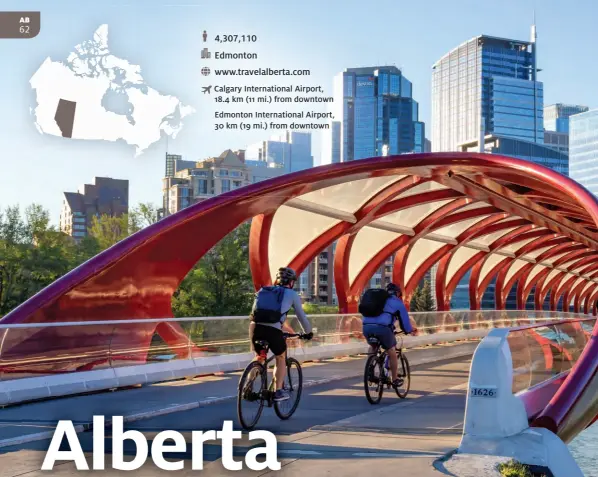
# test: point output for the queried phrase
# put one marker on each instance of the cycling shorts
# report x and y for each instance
(384, 333)
(273, 336)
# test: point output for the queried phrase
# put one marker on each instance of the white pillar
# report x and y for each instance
(496, 421)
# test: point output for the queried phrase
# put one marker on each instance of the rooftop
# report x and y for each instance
(508, 41)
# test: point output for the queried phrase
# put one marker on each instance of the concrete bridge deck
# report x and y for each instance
(333, 426)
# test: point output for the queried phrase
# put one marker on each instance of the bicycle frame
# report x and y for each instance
(381, 352)
(268, 394)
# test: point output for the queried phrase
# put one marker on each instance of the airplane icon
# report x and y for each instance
(206, 89)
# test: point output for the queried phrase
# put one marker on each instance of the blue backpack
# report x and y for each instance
(267, 306)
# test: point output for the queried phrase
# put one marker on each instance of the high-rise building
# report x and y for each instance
(197, 181)
(543, 154)
(170, 164)
(378, 115)
(105, 196)
(556, 116)
(486, 85)
(334, 139)
(557, 140)
(486, 97)
(291, 151)
(173, 164)
(583, 149)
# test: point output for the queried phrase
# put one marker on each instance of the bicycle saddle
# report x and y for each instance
(373, 340)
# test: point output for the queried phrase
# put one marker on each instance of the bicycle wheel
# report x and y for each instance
(250, 402)
(293, 384)
(373, 379)
(405, 373)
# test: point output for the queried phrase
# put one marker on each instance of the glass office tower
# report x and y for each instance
(583, 149)
(291, 151)
(556, 116)
(378, 115)
(486, 85)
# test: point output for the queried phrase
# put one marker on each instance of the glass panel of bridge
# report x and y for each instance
(39, 351)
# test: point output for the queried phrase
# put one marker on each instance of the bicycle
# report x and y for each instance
(378, 361)
(264, 392)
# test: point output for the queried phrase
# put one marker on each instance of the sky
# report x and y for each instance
(164, 37)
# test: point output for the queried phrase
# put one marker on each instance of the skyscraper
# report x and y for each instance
(486, 97)
(486, 85)
(170, 164)
(291, 151)
(378, 115)
(556, 116)
(583, 148)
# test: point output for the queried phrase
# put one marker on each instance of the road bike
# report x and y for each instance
(254, 391)
(377, 372)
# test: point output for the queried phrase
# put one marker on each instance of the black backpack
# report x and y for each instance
(372, 302)
(267, 305)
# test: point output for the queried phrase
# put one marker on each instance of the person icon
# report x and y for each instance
(205, 35)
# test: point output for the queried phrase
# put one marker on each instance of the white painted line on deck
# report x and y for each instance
(300, 452)
(401, 454)
(38, 436)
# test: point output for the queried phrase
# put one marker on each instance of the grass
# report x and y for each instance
(516, 469)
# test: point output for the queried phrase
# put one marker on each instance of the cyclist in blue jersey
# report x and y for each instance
(383, 326)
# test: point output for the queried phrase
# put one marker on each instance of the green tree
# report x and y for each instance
(108, 229)
(316, 309)
(422, 299)
(34, 253)
(414, 304)
(426, 300)
(220, 284)
(144, 214)
(13, 251)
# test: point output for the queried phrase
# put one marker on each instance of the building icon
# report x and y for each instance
(205, 54)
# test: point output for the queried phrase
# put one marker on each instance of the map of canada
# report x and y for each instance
(95, 95)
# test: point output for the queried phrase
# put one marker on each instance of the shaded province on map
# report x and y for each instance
(65, 116)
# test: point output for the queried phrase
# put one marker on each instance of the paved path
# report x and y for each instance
(18, 424)
(334, 430)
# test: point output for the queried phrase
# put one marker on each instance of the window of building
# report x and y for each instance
(223, 172)
(236, 173)
(225, 185)
(237, 184)
(201, 187)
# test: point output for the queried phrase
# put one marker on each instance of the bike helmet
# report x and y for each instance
(285, 275)
(391, 288)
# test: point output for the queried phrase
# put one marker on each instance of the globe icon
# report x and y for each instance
(205, 71)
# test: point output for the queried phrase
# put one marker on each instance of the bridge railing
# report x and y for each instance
(542, 357)
(514, 375)
(28, 350)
